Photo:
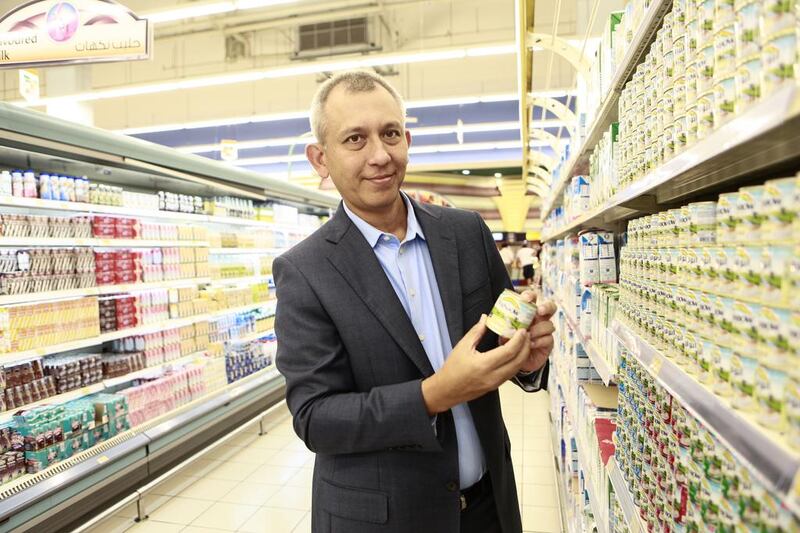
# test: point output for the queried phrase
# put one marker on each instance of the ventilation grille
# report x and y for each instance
(336, 34)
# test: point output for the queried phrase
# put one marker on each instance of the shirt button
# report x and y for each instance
(422, 338)
(412, 292)
(385, 237)
(452, 486)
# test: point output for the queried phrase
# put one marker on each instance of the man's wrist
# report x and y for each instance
(431, 397)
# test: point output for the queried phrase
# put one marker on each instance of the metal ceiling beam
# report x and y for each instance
(560, 110)
(561, 47)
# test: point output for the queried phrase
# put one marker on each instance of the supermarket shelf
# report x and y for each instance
(608, 111)
(241, 309)
(244, 279)
(99, 291)
(150, 370)
(598, 361)
(253, 336)
(259, 251)
(764, 136)
(81, 207)
(774, 464)
(100, 386)
(28, 242)
(15, 357)
(33, 498)
(629, 509)
(564, 515)
(600, 517)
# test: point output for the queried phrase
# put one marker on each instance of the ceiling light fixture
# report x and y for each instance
(205, 10)
(395, 58)
(498, 174)
(465, 172)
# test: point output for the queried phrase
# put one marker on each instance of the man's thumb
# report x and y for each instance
(476, 332)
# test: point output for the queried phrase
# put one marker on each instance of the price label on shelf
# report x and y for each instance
(102, 459)
(656, 364)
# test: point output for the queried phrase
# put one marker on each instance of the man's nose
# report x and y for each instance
(379, 156)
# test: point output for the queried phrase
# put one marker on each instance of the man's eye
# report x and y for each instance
(393, 134)
(353, 138)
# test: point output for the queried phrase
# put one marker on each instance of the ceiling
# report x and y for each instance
(238, 76)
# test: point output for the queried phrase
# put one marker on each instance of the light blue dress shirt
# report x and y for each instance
(409, 268)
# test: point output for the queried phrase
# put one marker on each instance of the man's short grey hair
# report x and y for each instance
(354, 81)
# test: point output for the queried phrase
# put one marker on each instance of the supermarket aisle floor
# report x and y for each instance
(263, 484)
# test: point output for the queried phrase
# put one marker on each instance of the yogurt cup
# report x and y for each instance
(679, 94)
(777, 16)
(724, 51)
(724, 99)
(705, 62)
(691, 84)
(691, 125)
(703, 222)
(771, 385)
(743, 376)
(748, 34)
(748, 214)
(510, 313)
(780, 59)
(748, 82)
(724, 12)
(705, 16)
(776, 262)
(779, 208)
(705, 114)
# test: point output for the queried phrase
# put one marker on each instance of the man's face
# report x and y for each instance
(365, 150)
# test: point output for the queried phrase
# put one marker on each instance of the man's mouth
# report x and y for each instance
(381, 179)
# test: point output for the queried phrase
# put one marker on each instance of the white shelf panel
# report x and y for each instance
(29, 242)
(746, 129)
(599, 362)
(99, 291)
(763, 452)
(14, 357)
(629, 508)
(608, 108)
(257, 251)
(600, 517)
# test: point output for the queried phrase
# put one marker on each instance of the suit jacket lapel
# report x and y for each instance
(357, 264)
(444, 256)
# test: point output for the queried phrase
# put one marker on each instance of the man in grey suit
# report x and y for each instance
(391, 373)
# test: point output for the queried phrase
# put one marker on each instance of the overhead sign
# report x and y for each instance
(29, 84)
(53, 32)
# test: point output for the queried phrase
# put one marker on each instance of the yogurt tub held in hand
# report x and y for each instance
(510, 313)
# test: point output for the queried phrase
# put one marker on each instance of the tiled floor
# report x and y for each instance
(263, 484)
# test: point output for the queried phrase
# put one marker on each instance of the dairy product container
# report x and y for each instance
(510, 313)
(691, 83)
(780, 60)
(748, 32)
(748, 82)
(777, 16)
(705, 114)
(724, 51)
(779, 209)
(705, 68)
(776, 262)
(724, 99)
(748, 214)
(703, 222)
(705, 16)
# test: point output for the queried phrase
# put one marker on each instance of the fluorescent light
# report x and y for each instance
(498, 174)
(465, 172)
(492, 50)
(190, 12)
(205, 10)
(271, 73)
(466, 147)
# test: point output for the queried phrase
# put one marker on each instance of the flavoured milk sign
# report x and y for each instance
(52, 32)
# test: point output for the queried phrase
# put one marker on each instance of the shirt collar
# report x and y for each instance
(373, 234)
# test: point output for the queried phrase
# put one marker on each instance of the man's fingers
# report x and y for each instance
(477, 331)
(510, 348)
(545, 309)
(540, 329)
(543, 343)
(530, 295)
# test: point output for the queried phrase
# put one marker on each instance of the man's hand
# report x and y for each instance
(541, 332)
(468, 374)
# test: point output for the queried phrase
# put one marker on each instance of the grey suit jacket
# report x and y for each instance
(354, 365)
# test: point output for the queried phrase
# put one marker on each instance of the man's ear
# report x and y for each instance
(408, 137)
(316, 156)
